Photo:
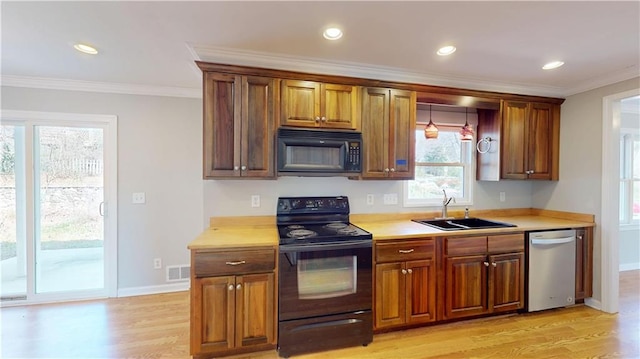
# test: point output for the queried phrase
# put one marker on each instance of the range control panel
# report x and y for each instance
(306, 205)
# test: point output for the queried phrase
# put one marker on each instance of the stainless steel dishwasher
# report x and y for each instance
(552, 269)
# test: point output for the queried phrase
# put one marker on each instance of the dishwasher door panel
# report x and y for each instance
(551, 265)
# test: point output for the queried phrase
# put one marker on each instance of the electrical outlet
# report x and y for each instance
(157, 263)
(369, 200)
(138, 198)
(255, 200)
(390, 198)
(503, 196)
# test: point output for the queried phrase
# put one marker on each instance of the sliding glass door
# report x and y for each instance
(55, 229)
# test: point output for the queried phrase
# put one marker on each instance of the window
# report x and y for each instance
(442, 163)
(629, 178)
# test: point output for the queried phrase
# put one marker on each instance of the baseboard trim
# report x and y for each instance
(153, 289)
(629, 266)
(593, 303)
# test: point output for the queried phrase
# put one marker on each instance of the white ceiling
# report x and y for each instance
(501, 45)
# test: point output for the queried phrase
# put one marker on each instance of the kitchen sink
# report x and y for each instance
(462, 223)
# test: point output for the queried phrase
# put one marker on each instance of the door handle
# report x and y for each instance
(101, 209)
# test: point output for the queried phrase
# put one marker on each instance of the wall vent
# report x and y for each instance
(178, 273)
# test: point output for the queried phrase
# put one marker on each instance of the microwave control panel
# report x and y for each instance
(354, 155)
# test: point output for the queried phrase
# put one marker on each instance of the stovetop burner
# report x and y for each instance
(312, 220)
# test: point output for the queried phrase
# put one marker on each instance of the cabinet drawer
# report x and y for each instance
(466, 246)
(506, 243)
(393, 251)
(215, 263)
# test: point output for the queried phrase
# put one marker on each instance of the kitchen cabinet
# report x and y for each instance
(233, 301)
(405, 283)
(530, 140)
(319, 105)
(584, 263)
(388, 133)
(239, 125)
(483, 274)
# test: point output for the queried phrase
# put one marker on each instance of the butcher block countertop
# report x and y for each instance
(230, 232)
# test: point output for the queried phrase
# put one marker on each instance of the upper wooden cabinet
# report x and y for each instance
(239, 125)
(315, 104)
(388, 133)
(530, 140)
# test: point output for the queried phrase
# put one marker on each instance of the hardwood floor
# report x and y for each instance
(157, 326)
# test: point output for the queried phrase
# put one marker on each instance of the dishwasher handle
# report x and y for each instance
(553, 240)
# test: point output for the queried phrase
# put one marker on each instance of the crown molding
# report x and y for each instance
(607, 79)
(105, 87)
(223, 55)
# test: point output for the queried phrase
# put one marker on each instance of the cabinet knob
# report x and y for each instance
(239, 286)
(230, 287)
(324, 119)
(393, 169)
(494, 264)
(386, 170)
(317, 119)
(410, 271)
(486, 264)
(580, 236)
(235, 168)
(404, 271)
(244, 168)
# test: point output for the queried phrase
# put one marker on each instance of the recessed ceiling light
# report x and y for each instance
(552, 65)
(447, 50)
(86, 49)
(332, 33)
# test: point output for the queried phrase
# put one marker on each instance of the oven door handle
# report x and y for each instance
(325, 246)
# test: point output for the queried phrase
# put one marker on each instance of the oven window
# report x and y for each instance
(320, 278)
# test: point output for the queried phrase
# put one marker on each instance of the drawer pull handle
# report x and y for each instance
(405, 250)
(235, 263)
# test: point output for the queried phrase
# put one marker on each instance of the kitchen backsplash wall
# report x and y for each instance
(233, 197)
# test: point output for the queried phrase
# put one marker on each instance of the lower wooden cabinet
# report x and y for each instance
(405, 283)
(584, 263)
(232, 313)
(483, 275)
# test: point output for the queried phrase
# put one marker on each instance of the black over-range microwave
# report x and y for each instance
(319, 152)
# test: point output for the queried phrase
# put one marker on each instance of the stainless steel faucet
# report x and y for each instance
(445, 203)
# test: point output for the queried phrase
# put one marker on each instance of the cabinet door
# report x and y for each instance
(338, 106)
(259, 100)
(213, 314)
(402, 141)
(300, 103)
(375, 132)
(584, 263)
(540, 139)
(514, 140)
(221, 127)
(465, 286)
(421, 291)
(506, 282)
(255, 317)
(390, 295)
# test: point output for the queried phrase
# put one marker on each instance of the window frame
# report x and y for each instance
(627, 181)
(468, 165)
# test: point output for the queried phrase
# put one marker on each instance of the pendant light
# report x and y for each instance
(430, 131)
(466, 133)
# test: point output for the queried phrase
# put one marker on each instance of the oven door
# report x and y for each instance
(324, 279)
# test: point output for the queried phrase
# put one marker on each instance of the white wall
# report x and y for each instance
(579, 187)
(160, 153)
